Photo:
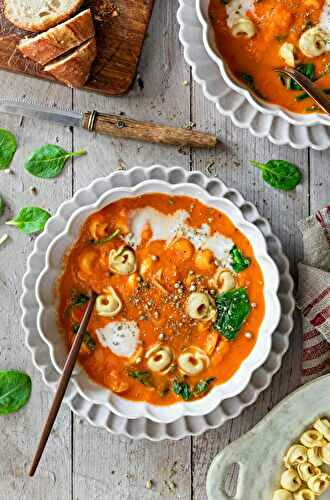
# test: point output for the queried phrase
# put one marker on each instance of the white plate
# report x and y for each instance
(100, 415)
(236, 102)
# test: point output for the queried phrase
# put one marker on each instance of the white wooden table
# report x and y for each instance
(82, 462)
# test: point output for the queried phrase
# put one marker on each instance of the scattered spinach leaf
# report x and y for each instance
(79, 299)
(2, 206)
(182, 389)
(238, 261)
(142, 376)
(305, 69)
(49, 160)
(164, 391)
(15, 390)
(313, 109)
(202, 386)
(88, 339)
(249, 82)
(233, 308)
(8, 148)
(304, 95)
(281, 38)
(279, 174)
(106, 238)
(30, 220)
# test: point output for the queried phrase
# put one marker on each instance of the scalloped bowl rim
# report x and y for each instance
(131, 409)
(234, 84)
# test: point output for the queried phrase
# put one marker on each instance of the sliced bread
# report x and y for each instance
(39, 15)
(55, 42)
(73, 69)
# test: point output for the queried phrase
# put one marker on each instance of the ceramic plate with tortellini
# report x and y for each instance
(306, 465)
(254, 37)
(180, 297)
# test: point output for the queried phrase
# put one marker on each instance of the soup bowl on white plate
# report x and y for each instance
(48, 300)
(210, 44)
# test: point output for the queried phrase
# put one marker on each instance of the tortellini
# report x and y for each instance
(123, 260)
(159, 358)
(223, 280)
(319, 484)
(296, 455)
(287, 53)
(108, 304)
(323, 426)
(304, 494)
(325, 453)
(313, 42)
(306, 471)
(290, 480)
(314, 456)
(312, 438)
(193, 361)
(282, 495)
(243, 27)
(200, 306)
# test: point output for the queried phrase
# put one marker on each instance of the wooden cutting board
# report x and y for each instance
(120, 34)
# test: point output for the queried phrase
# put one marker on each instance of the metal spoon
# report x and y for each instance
(321, 99)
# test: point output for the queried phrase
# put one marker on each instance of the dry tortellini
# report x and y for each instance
(108, 304)
(200, 306)
(313, 42)
(122, 261)
(304, 478)
(193, 361)
(243, 27)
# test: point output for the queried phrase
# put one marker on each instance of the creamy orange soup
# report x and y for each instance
(172, 317)
(254, 37)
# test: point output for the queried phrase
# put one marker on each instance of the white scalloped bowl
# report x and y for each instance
(48, 323)
(209, 41)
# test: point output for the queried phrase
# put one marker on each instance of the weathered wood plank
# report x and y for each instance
(104, 464)
(283, 210)
(319, 180)
(21, 431)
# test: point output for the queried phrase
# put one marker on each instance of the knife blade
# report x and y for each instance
(114, 125)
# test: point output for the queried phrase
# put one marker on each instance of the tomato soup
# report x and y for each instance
(254, 37)
(180, 297)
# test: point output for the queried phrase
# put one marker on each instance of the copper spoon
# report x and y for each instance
(321, 99)
(63, 383)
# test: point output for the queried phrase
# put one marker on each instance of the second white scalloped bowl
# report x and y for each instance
(48, 319)
(202, 7)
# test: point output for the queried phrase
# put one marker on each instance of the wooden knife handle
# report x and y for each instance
(126, 128)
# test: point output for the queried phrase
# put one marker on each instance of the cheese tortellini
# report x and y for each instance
(108, 304)
(193, 361)
(200, 306)
(223, 280)
(305, 477)
(122, 261)
(159, 358)
(313, 42)
(287, 53)
(243, 27)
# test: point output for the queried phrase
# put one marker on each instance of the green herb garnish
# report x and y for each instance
(233, 308)
(106, 238)
(249, 81)
(142, 376)
(2, 206)
(279, 174)
(15, 390)
(307, 70)
(30, 220)
(202, 386)
(182, 389)
(238, 261)
(8, 148)
(304, 95)
(87, 340)
(49, 160)
(79, 299)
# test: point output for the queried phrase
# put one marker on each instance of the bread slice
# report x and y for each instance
(55, 42)
(73, 69)
(39, 15)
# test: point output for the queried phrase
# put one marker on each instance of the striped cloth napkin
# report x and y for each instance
(313, 297)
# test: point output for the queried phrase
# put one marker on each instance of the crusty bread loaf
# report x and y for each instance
(39, 15)
(55, 42)
(73, 69)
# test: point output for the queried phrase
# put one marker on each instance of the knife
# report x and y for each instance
(116, 126)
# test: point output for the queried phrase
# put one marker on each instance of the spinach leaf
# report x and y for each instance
(79, 299)
(8, 148)
(280, 174)
(182, 389)
(30, 220)
(48, 161)
(304, 95)
(305, 69)
(2, 206)
(15, 390)
(144, 377)
(249, 81)
(238, 261)
(106, 238)
(202, 386)
(233, 308)
(88, 339)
